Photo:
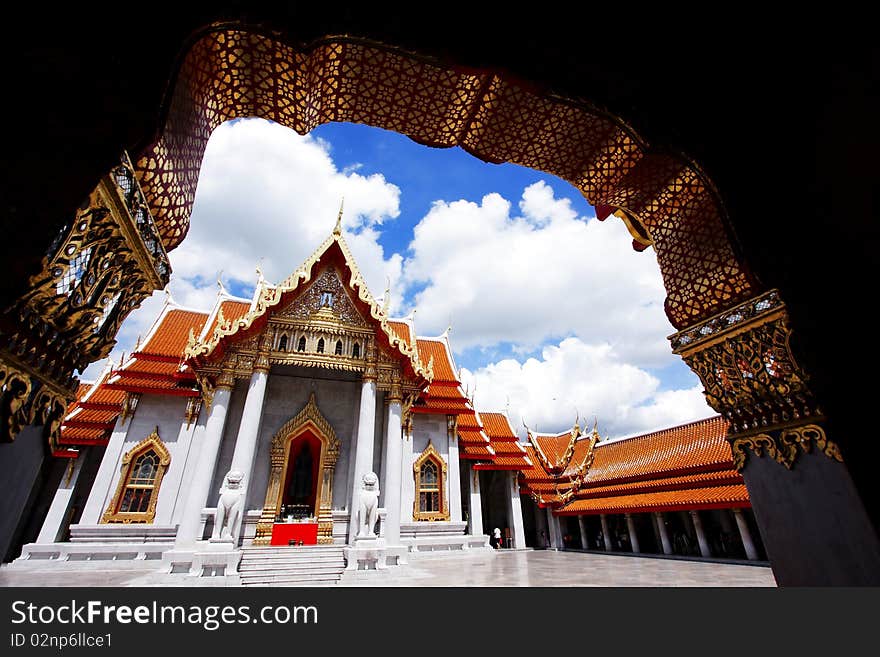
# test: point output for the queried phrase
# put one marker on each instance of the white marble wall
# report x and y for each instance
(166, 413)
(426, 428)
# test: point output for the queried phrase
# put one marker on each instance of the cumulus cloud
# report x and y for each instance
(542, 273)
(590, 379)
(269, 196)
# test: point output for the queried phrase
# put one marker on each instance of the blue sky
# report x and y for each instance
(553, 314)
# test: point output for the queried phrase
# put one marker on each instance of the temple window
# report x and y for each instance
(326, 299)
(282, 344)
(138, 490)
(339, 347)
(430, 479)
(356, 350)
(321, 346)
(302, 344)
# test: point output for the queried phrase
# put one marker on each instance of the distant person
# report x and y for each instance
(496, 535)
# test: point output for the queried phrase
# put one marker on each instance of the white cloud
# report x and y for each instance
(589, 379)
(270, 196)
(541, 274)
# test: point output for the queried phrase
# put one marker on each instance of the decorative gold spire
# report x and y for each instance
(337, 229)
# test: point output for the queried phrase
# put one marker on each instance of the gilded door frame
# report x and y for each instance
(308, 419)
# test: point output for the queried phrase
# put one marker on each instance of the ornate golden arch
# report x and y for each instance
(431, 454)
(151, 442)
(308, 419)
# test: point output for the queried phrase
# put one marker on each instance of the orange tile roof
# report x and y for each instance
(152, 367)
(231, 310)
(90, 418)
(441, 406)
(469, 421)
(506, 462)
(105, 395)
(401, 329)
(698, 480)
(81, 391)
(472, 436)
(78, 435)
(691, 498)
(699, 444)
(497, 426)
(442, 366)
(171, 336)
(507, 447)
(475, 452)
(554, 446)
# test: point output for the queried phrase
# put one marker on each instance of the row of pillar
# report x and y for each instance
(658, 519)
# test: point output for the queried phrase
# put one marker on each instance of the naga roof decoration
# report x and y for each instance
(557, 466)
(201, 350)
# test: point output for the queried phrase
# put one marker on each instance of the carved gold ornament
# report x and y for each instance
(101, 265)
(783, 447)
(744, 360)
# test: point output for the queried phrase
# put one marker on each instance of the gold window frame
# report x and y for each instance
(113, 514)
(431, 454)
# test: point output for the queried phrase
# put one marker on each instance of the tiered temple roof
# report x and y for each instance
(684, 467)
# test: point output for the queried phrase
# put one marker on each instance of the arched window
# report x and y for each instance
(138, 490)
(429, 471)
(339, 347)
(282, 344)
(321, 346)
(356, 350)
(302, 344)
(429, 488)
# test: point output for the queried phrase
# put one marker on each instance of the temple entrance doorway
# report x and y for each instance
(303, 455)
(301, 480)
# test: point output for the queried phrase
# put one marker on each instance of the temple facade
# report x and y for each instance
(307, 416)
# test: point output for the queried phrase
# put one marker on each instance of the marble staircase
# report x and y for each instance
(313, 565)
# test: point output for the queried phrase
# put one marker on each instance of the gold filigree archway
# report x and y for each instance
(309, 419)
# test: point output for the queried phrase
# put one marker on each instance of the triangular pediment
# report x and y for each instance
(326, 299)
(326, 292)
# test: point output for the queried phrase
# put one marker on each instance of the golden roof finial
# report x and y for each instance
(337, 229)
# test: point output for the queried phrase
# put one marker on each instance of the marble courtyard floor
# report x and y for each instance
(478, 569)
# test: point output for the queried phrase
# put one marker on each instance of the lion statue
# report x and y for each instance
(228, 506)
(368, 512)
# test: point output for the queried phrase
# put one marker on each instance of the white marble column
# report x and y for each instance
(514, 511)
(105, 479)
(475, 517)
(393, 452)
(61, 502)
(606, 535)
(582, 526)
(248, 431)
(664, 533)
(701, 535)
(453, 473)
(631, 529)
(200, 486)
(363, 462)
(407, 480)
(555, 530)
(745, 535)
